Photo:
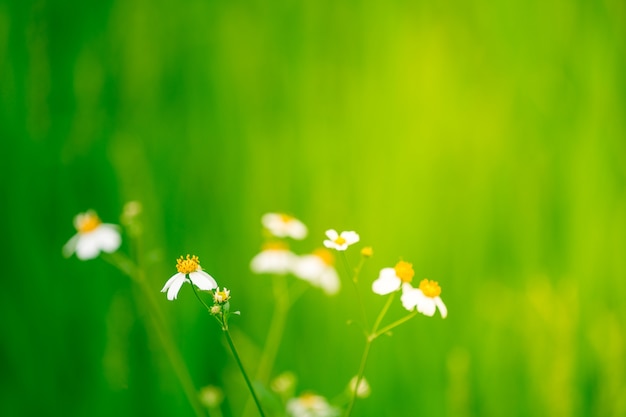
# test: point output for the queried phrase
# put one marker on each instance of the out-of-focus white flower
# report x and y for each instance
(310, 405)
(284, 225)
(425, 298)
(92, 238)
(274, 258)
(340, 241)
(364, 390)
(391, 279)
(318, 269)
(189, 270)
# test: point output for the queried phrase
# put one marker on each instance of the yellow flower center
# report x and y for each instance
(286, 218)
(308, 400)
(325, 255)
(190, 264)
(340, 240)
(367, 252)
(404, 271)
(430, 288)
(275, 246)
(222, 296)
(88, 222)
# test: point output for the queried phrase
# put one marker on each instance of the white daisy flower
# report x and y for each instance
(92, 238)
(425, 298)
(283, 225)
(340, 241)
(274, 258)
(189, 270)
(318, 269)
(311, 405)
(391, 279)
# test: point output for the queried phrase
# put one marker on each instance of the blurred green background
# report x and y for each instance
(485, 142)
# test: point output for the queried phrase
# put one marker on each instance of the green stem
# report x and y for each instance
(158, 322)
(276, 330)
(355, 274)
(243, 371)
(394, 324)
(359, 377)
(368, 343)
(382, 313)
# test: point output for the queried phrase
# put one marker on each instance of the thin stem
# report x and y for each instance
(368, 343)
(381, 315)
(276, 330)
(355, 274)
(359, 376)
(195, 291)
(394, 324)
(158, 322)
(243, 371)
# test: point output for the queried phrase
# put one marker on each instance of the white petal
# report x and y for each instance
(269, 219)
(426, 306)
(329, 281)
(108, 236)
(330, 244)
(332, 234)
(70, 246)
(350, 237)
(273, 262)
(172, 292)
(308, 267)
(87, 247)
(408, 300)
(387, 282)
(297, 229)
(171, 280)
(442, 307)
(203, 280)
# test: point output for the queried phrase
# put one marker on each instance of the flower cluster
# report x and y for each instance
(316, 268)
(276, 258)
(425, 299)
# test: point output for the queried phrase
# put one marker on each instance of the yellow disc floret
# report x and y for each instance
(430, 288)
(190, 264)
(309, 400)
(404, 271)
(340, 240)
(221, 296)
(325, 255)
(286, 218)
(87, 222)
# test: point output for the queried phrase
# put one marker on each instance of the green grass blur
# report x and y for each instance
(485, 142)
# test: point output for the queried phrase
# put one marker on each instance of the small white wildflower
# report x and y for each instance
(284, 225)
(340, 241)
(425, 298)
(391, 279)
(189, 270)
(92, 238)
